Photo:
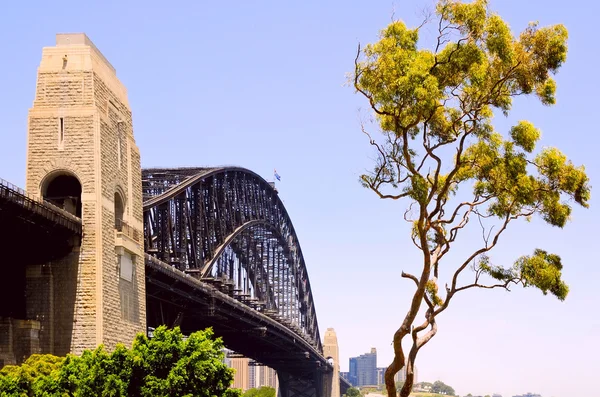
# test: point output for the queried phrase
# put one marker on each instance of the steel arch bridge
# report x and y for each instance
(227, 226)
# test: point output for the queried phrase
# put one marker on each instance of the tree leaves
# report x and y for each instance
(542, 270)
(449, 96)
(440, 150)
(166, 365)
(525, 135)
(267, 391)
(36, 376)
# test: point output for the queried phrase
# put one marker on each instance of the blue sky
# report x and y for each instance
(261, 84)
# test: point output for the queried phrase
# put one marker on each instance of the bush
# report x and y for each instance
(166, 365)
(263, 391)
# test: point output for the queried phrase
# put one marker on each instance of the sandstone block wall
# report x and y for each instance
(80, 124)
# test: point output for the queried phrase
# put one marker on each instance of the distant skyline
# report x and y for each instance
(262, 85)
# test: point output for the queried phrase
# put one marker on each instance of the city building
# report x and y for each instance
(261, 375)
(381, 375)
(241, 379)
(345, 375)
(529, 395)
(363, 369)
(352, 373)
(399, 377)
(249, 373)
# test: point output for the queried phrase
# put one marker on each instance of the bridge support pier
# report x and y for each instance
(50, 290)
(328, 387)
(320, 384)
(293, 386)
(39, 302)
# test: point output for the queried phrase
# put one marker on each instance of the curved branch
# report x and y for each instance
(411, 277)
(477, 285)
(480, 251)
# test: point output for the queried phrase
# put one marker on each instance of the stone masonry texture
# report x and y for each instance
(84, 306)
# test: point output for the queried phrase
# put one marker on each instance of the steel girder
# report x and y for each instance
(228, 226)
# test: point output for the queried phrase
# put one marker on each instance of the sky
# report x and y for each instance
(262, 85)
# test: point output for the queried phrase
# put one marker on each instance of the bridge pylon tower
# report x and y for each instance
(82, 156)
(331, 352)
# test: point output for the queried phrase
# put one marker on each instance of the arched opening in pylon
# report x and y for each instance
(64, 191)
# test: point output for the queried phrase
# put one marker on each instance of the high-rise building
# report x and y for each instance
(381, 375)
(363, 369)
(249, 373)
(261, 375)
(353, 372)
(252, 375)
(241, 379)
(399, 377)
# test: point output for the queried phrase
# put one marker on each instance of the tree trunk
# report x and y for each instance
(410, 377)
(390, 372)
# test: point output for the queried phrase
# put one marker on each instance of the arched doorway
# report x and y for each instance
(64, 191)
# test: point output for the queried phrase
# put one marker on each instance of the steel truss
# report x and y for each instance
(227, 226)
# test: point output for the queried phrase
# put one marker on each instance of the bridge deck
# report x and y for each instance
(172, 293)
(34, 226)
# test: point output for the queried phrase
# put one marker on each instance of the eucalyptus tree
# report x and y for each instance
(439, 153)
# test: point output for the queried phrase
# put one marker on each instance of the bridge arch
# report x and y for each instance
(228, 226)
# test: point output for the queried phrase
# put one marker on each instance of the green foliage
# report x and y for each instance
(166, 365)
(435, 109)
(38, 374)
(424, 385)
(432, 291)
(442, 388)
(440, 151)
(353, 392)
(263, 391)
(541, 270)
(364, 390)
(525, 135)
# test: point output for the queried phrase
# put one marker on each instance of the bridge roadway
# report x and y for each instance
(194, 304)
(21, 215)
(221, 252)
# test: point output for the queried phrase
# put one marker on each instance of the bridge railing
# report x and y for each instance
(38, 205)
(128, 230)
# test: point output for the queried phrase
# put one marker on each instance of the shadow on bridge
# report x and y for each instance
(34, 233)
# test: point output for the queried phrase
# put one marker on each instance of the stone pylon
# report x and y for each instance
(331, 352)
(82, 156)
